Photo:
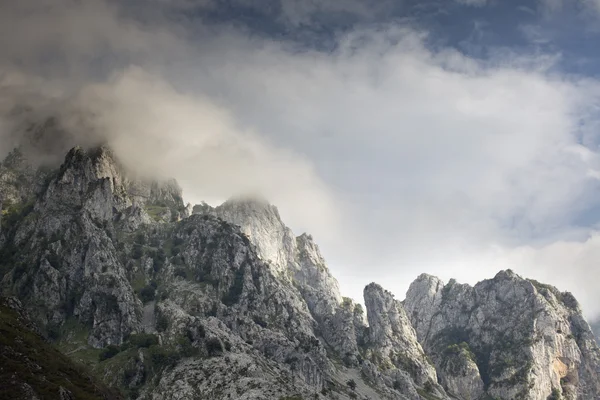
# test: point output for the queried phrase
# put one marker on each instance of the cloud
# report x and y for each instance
(594, 4)
(400, 158)
(476, 3)
(436, 157)
(85, 73)
(430, 116)
(158, 131)
(299, 12)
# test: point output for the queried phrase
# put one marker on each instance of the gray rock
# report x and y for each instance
(74, 267)
(528, 339)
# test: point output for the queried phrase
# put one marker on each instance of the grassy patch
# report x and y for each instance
(156, 212)
(138, 281)
(426, 395)
(72, 335)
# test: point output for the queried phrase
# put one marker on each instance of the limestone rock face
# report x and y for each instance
(229, 291)
(340, 322)
(276, 243)
(528, 340)
(320, 289)
(68, 264)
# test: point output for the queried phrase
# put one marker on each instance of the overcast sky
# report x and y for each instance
(455, 138)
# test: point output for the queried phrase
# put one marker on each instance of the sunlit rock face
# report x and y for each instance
(520, 338)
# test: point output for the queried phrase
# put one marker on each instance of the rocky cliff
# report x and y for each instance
(226, 302)
(509, 337)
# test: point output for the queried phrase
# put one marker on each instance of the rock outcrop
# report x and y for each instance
(516, 338)
(339, 321)
(392, 342)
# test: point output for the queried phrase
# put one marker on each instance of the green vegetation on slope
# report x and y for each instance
(29, 365)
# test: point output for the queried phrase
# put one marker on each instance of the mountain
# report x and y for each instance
(166, 301)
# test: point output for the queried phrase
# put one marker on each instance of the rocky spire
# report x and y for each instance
(393, 341)
(298, 257)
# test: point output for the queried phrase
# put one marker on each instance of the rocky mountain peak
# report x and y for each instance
(393, 339)
(261, 222)
(99, 162)
(91, 180)
(252, 213)
(507, 275)
(509, 336)
(251, 203)
(308, 250)
(426, 284)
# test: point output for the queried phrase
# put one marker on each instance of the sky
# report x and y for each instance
(455, 138)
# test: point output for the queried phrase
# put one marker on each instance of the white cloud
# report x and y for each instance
(113, 88)
(157, 131)
(436, 156)
(399, 159)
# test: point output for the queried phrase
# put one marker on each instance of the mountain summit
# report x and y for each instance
(166, 301)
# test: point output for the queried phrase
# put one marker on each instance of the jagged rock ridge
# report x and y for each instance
(183, 307)
(229, 303)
